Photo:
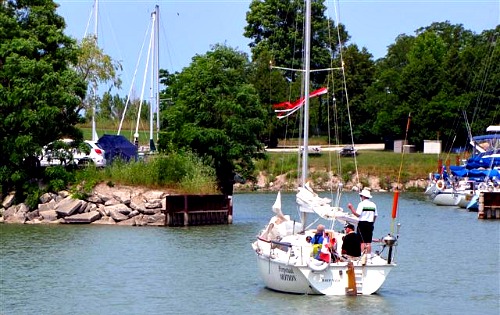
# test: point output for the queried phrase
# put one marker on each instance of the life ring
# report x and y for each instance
(482, 187)
(440, 184)
(317, 265)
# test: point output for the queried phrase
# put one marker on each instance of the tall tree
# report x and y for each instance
(276, 30)
(40, 92)
(438, 75)
(277, 27)
(359, 71)
(215, 113)
(95, 68)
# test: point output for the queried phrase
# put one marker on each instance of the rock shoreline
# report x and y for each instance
(135, 206)
(327, 183)
(120, 205)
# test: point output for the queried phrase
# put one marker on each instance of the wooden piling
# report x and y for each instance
(489, 205)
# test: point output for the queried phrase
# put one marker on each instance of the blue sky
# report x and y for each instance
(190, 27)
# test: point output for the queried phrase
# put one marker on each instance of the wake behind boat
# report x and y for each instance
(288, 261)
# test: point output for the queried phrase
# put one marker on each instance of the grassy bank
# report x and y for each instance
(384, 165)
(388, 166)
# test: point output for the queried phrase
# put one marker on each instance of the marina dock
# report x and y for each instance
(489, 205)
(188, 210)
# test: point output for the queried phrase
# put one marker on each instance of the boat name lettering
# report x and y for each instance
(330, 280)
(285, 270)
(287, 277)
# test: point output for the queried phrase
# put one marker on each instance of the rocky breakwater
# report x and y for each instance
(119, 205)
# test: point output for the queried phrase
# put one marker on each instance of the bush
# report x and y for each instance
(180, 171)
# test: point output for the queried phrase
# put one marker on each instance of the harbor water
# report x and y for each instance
(448, 263)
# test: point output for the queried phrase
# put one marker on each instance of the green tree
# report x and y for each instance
(111, 108)
(276, 30)
(438, 75)
(359, 71)
(95, 68)
(382, 96)
(277, 27)
(215, 113)
(40, 91)
(273, 88)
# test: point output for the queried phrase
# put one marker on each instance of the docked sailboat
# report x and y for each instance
(283, 249)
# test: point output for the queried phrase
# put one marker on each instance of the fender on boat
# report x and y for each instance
(317, 265)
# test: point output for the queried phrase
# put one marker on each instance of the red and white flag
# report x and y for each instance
(288, 108)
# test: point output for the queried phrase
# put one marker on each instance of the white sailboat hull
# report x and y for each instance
(294, 271)
(447, 199)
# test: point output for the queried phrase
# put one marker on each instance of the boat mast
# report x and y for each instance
(148, 59)
(307, 68)
(157, 74)
(154, 78)
(94, 87)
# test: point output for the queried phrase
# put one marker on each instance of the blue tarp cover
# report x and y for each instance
(461, 171)
(486, 137)
(481, 161)
(117, 147)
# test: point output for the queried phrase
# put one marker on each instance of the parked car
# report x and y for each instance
(313, 149)
(348, 150)
(62, 152)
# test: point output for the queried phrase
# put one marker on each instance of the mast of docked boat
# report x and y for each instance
(153, 57)
(94, 87)
(154, 79)
(307, 70)
(157, 72)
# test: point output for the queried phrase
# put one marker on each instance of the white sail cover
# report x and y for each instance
(310, 202)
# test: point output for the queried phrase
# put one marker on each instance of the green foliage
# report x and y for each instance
(440, 76)
(32, 196)
(95, 67)
(276, 27)
(178, 171)
(110, 109)
(215, 113)
(40, 92)
(276, 31)
(278, 163)
(58, 178)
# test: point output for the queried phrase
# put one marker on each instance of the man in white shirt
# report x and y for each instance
(367, 214)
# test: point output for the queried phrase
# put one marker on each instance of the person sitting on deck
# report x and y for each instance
(351, 245)
(317, 239)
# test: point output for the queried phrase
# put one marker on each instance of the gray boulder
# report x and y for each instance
(45, 198)
(121, 208)
(105, 220)
(87, 217)
(117, 216)
(48, 215)
(50, 205)
(68, 206)
(122, 195)
(16, 214)
(8, 201)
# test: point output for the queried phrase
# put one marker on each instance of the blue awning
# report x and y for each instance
(486, 137)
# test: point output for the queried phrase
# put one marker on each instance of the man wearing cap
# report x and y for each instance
(351, 243)
(367, 214)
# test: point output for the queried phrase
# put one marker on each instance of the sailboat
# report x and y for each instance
(283, 250)
(152, 61)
